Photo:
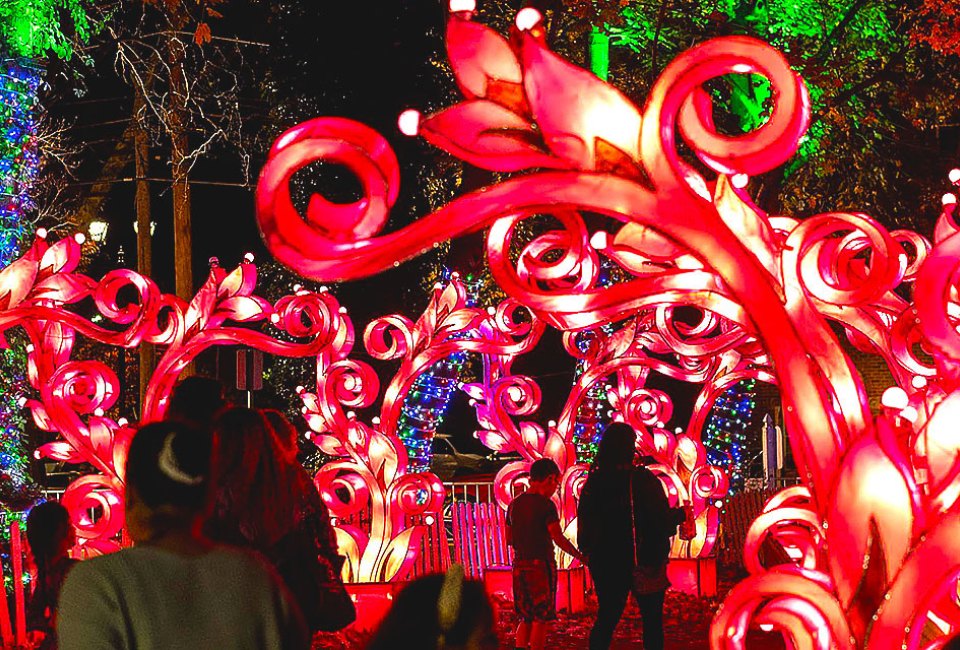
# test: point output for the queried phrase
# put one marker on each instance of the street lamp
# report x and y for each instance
(98, 231)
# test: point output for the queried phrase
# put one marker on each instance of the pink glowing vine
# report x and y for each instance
(872, 532)
(40, 292)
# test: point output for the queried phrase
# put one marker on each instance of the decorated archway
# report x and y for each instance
(876, 515)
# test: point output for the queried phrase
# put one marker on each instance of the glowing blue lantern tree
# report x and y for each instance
(726, 430)
(19, 164)
(430, 396)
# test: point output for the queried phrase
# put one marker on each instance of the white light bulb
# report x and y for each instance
(409, 122)
(954, 175)
(462, 5)
(895, 398)
(948, 199)
(528, 18)
(740, 181)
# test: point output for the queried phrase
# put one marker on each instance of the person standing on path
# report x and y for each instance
(533, 527)
(624, 527)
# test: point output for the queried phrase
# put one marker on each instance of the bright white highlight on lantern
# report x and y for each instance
(462, 5)
(515, 393)
(949, 199)
(740, 181)
(528, 18)
(42, 233)
(895, 398)
(599, 240)
(954, 175)
(428, 520)
(766, 627)
(409, 122)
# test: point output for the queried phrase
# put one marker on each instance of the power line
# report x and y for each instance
(131, 179)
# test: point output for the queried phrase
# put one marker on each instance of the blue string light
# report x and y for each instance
(725, 432)
(19, 165)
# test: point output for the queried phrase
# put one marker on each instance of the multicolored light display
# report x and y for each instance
(19, 165)
(725, 432)
(874, 532)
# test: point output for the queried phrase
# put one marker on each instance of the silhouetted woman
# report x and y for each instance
(264, 500)
(626, 551)
(175, 588)
(51, 535)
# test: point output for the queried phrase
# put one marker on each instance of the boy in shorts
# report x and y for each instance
(533, 527)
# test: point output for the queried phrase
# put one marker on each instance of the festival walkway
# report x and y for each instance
(687, 622)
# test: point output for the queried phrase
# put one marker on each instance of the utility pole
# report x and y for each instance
(141, 161)
(182, 247)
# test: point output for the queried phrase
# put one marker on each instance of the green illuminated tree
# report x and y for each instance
(882, 79)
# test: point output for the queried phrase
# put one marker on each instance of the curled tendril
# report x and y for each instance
(417, 494)
(142, 311)
(936, 284)
(344, 491)
(648, 406)
(516, 394)
(348, 383)
(560, 258)
(389, 337)
(310, 314)
(100, 494)
(819, 616)
(708, 337)
(678, 96)
(84, 386)
(826, 255)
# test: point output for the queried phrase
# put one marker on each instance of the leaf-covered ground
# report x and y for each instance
(687, 624)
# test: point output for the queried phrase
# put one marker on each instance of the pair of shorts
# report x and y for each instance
(535, 590)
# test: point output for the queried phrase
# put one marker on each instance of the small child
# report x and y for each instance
(533, 527)
(50, 535)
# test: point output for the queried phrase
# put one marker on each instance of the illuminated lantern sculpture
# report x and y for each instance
(874, 528)
(39, 293)
(370, 473)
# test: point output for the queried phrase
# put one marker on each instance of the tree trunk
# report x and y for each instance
(182, 258)
(141, 153)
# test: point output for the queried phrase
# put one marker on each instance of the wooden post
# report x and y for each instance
(16, 553)
(6, 630)
(141, 157)
(179, 140)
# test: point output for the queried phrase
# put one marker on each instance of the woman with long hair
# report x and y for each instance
(624, 527)
(175, 588)
(264, 500)
(50, 535)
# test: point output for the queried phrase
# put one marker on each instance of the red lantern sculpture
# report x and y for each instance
(40, 291)
(876, 521)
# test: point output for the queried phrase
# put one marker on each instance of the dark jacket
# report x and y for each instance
(604, 531)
